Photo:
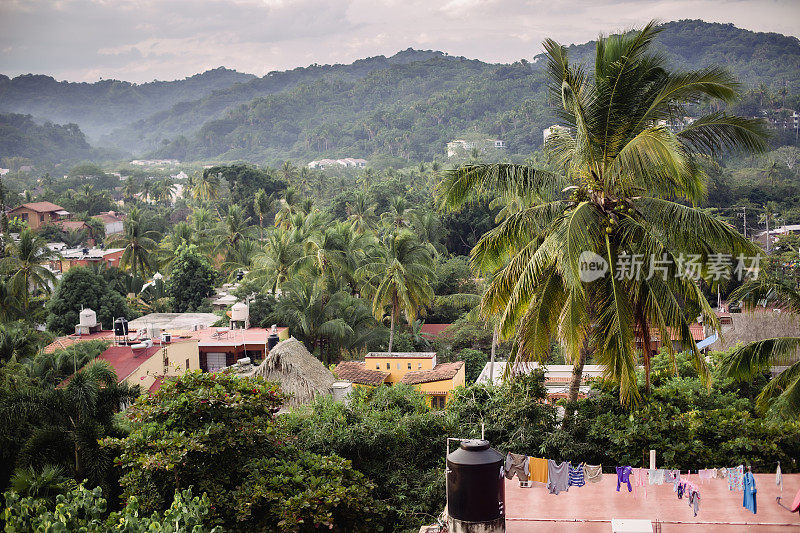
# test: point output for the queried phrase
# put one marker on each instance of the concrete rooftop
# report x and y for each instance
(590, 508)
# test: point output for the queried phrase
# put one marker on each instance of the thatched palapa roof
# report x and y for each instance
(298, 372)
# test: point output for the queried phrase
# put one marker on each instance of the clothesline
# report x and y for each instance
(559, 477)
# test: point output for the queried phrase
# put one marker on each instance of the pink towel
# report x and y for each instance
(639, 482)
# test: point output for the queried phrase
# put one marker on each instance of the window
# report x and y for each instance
(41, 218)
(388, 366)
(419, 366)
(409, 366)
(437, 402)
(377, 366)
(398, 366)
(187, 364)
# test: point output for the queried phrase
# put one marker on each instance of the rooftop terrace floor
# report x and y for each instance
(721, 511)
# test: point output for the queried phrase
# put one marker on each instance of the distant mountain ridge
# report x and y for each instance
(107, 104)
(404, 106)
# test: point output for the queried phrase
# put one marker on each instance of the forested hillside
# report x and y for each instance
(107, 104)
(402, 108)
(20, 136)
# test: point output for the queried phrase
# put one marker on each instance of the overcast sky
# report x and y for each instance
(142, 40)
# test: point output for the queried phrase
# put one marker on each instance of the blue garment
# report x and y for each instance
(576, 476)
(749, 492)
(624, 476)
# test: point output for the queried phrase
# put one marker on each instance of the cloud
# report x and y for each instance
(141, 40)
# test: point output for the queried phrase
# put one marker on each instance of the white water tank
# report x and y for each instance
(88, 318)
(239, 312)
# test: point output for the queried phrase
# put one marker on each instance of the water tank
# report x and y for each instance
(120, 327)
(341, 390)
(272, 341)
(239, 312)
(88, 318)
(166, 337)
(475, 489)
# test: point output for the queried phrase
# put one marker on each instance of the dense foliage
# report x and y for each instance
(191, 280)
(82, 288)
(216, 433)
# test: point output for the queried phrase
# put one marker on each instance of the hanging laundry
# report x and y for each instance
(639, 481)
(694, 501)
(593, 473)
(576, 476)
(670, 475)
(538, 469)
(722, 473)
(517, 465)
(557, 476)
(705, 474)
(656, 476)
(749, 500)
(624, 476)
(779, 477)
(736, 478)
(681, 487)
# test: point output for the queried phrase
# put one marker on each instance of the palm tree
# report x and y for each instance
(277, 261)
(753, 359)
(617, 164)
(131, 188)
(262, 204)
(24, 265)
(399, 214)
(231, 231)
(398, 277)
(138, 244)
(361, 212)
(313, 316)
(206, 186)
(288, 171)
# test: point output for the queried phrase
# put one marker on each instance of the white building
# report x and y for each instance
(346, 162)
(550, 130)
(556, 377)
(461, 146)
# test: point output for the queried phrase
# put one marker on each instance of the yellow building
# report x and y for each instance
(419, 369)
(147, 366)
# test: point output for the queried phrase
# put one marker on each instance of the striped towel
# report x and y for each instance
(576, 478)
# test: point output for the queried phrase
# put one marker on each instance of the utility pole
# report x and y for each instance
(768, 236)
(743, 214)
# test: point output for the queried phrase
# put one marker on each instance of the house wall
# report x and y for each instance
(398, 366)
(34, 219)
(444, 387)
(178, 353)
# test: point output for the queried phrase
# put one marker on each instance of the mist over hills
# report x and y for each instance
(406, 106)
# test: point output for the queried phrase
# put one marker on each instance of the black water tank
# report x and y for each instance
(272, 341)
(120, 327)
(475, 484)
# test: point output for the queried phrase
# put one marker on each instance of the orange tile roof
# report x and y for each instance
(357, 372)
(41, 207)
(125, 359)
(440, 372)
(71, 224)
(433, 330)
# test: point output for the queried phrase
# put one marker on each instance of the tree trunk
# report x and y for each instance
(575, 384)
(391, 329)
(491, 356)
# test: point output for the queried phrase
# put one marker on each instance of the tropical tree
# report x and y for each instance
(399, 214)
(138, 244)
(312, 314)
(24, 265)
(231, 231)
(206, 186)
(361, 212)
(398, 277)
(747, 362)
(619, 170)
(276, 262)
(262, 204)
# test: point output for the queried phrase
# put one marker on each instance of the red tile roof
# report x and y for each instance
(440, 372)
(125, 359)
(357, 372)
(41, 207)
(432, 331)
(71, 224)
(156, 385)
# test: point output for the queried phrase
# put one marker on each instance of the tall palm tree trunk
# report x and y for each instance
(391, 328)
(491, 356)
(575, 384)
